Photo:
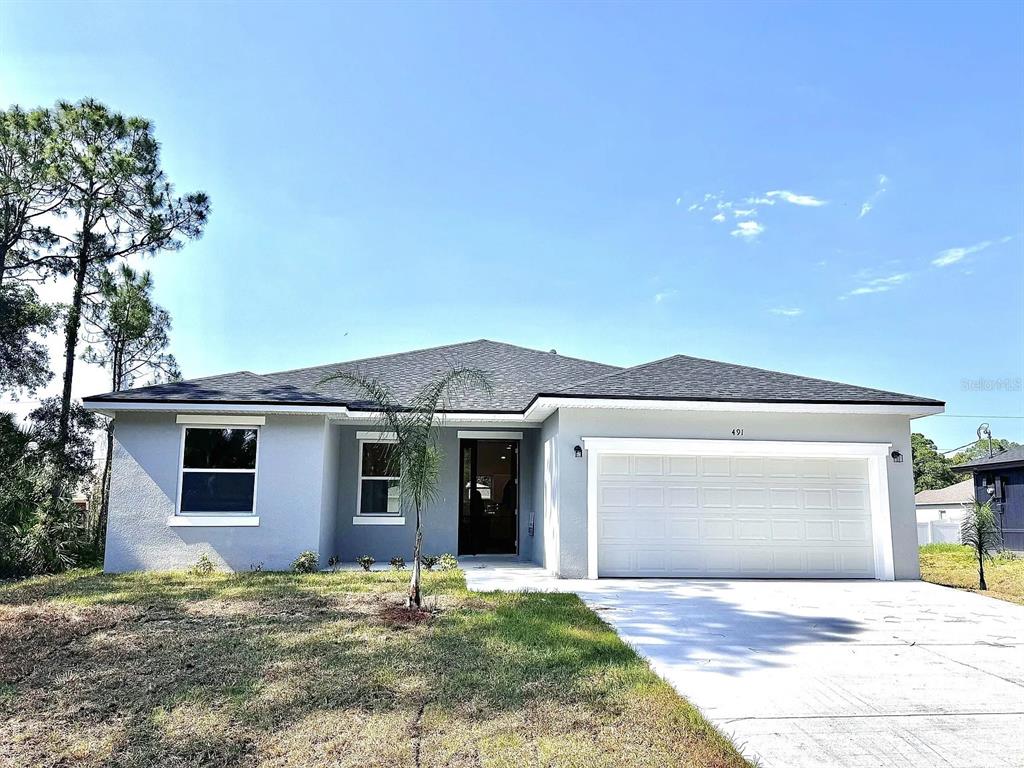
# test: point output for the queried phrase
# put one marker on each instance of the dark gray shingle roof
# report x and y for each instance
(518, 376)
(1010, 456)
(693, 378)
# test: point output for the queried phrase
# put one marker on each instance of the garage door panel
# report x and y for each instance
(614, 496)
(715, 466)
(682, 466)
(817, 498)
(750, 497)
(649, 496)
(683, 529)
(717, 497)
(679, 496)
(757, 530)
(733, 516)
(717, 529)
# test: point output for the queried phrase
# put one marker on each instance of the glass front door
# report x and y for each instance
(489, 497)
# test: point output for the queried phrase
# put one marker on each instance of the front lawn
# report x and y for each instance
(320, 670)
(953, 565)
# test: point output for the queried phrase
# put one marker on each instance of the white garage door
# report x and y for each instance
(733, 516)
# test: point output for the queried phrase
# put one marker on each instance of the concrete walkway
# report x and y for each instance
(859, 674)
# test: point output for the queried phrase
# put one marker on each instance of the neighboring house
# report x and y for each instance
(944, 504)
(679, 467)
(1000, 480)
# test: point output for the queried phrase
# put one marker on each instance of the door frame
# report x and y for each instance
(875, 453)
(465, 436)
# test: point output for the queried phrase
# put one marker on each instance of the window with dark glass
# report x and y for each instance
(218, 472)
(379, 479)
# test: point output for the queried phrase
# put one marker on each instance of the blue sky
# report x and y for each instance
(386, 177)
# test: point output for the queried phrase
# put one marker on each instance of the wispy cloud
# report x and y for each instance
(786, 311)
(662, 296)
(748, 230)
(795, 199)
(883, 185)
(719, 207)
(953, 255)
(879, 285)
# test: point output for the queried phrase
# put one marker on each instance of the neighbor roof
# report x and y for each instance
(1008, 457)
(518, 376)
(951, 494)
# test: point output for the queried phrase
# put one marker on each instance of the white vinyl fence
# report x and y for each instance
(938, 532)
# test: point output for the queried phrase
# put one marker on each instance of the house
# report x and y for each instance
(677, 467)
(999, 479)
(944, 504)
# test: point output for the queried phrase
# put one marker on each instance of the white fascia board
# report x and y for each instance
(543, 406)
(739, 447)
(110, 408)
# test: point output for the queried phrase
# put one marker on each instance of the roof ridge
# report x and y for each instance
(431, 349)
(616, 372)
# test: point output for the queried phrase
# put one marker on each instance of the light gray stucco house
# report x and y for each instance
(678, 467)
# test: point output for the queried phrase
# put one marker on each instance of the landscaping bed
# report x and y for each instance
(322, 670)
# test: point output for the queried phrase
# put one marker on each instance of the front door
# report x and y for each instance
(488, 497)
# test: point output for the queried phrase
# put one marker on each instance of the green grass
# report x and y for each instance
(289, 670)
(953, 565)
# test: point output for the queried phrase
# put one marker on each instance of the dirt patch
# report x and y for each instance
(400, 616)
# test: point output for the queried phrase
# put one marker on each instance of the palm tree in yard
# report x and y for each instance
(415, 427)
(980, 531)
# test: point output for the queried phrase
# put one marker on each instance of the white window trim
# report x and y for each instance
(875, 453)
(472, 434)
(376, 518)
(220, 519)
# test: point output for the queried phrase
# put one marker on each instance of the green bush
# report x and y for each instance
(366, 561)
(40, 531)
(429, 561)
(204, 566)
(306, 562)
(447, 562)
(398, 563)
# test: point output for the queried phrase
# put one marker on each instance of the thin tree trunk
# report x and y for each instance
(71, 335)
(414, 582)
(101, 523)
(981, 571)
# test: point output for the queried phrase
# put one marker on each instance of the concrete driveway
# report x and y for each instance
(820, 673)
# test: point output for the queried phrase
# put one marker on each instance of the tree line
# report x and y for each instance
(81, 191)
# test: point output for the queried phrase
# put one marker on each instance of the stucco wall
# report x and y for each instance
(570, 504)
(440, 519)
(144, 487)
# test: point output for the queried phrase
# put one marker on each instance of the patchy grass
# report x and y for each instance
(953, 565)
(298, 670)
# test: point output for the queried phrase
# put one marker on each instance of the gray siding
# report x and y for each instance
(144, 487)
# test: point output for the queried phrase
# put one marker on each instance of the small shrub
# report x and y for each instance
(334, 561)
(204, 566)
(365, 561)
(306, 562)
(447, 562)
(429, 561)
(398, 563)
(256, 567)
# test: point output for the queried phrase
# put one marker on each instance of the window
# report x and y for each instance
(379, 478)
(218, 470)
